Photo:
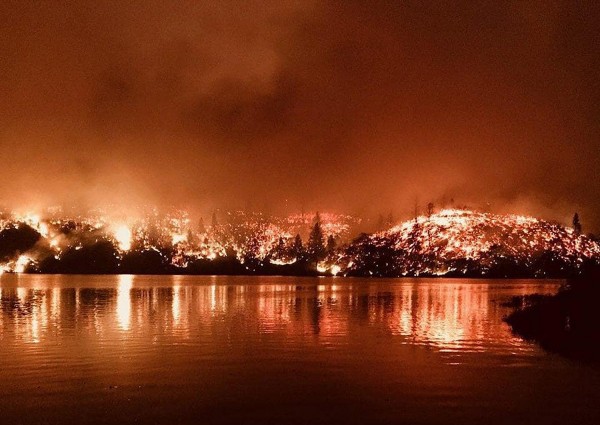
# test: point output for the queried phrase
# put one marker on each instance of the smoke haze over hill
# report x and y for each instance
(348, 106)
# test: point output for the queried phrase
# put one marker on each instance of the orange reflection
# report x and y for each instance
(454, 317)
(124, 301)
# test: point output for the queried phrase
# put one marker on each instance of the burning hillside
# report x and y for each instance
(449, 243)
(464, 242)
(165, 242)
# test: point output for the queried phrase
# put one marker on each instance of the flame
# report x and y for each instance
(178, 238)
(124, 237)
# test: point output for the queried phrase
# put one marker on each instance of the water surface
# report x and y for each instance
(173, 349)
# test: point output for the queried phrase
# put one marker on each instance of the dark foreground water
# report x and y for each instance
(277, 350)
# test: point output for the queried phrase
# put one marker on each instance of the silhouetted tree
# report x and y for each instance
(330, 247)
(317, 218)
(215, 222)
(430, 209)
(416, 209)
(576, 224)
(429, 214)
(298, 248)
(414, 244)
(280, 249)
(201, 227)
(316, 242)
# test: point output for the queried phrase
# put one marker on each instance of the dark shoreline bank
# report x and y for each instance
(567, 323)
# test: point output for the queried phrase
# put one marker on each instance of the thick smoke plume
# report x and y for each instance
(361, 107)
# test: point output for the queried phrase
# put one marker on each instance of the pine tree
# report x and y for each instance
(330, 247)
(317, 218)
(316, 242)
(280, 249)
(298, 248)
(576, 224)
(430, 209)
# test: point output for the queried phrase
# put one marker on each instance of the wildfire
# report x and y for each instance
(450, 242)
(123, 237)
(460, 241)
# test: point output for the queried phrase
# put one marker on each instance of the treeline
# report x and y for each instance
(94, 252)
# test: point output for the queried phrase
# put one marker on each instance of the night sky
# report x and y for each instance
(361, 107)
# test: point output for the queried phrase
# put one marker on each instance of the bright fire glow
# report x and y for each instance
(123, 237)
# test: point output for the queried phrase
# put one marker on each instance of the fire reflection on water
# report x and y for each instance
(124, 301)
(450, 316)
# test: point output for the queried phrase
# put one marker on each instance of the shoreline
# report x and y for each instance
(567, 323)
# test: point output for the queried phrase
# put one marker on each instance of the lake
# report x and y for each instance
(278, 350)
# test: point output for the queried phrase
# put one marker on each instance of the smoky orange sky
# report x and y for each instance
(361, 107)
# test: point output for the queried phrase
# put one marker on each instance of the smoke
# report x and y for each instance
(360, 107)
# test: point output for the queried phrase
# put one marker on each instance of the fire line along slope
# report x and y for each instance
(457, 242)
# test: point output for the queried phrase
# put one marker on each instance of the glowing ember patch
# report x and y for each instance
(123, 237)
(278, 262)
(322, 267)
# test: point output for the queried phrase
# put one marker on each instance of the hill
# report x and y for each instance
(470, 243)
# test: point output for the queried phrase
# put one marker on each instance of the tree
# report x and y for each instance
(330, 247)
(280, 249)
(429, 214)
(316, 242)
(201, 227)
(576, 224)
(430, 209)
(215, 222)
(317, 218)
(298, 247)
